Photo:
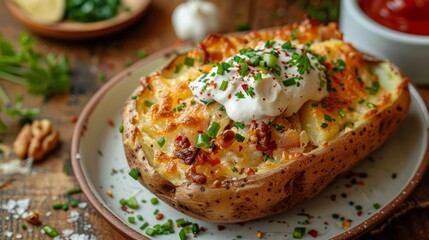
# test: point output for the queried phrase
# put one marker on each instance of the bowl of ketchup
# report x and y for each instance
(396, 30)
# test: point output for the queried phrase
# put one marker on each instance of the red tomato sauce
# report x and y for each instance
(409, 16)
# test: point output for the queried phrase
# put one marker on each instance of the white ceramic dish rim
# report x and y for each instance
(356, 12)
(127, 231)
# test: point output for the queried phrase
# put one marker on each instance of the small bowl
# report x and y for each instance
(410, 52)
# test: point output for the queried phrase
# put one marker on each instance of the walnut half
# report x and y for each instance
(36, 140)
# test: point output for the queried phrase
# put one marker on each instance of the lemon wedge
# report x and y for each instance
(44, 11)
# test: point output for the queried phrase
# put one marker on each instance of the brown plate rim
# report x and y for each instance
(125, 230)
(76, 30)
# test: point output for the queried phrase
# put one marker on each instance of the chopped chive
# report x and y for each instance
(134, 97)
(287, 45)
(134, 173)
(220, 70)
(178, 68)
(270, 59)
(239, 138)
(376, 206)
(294, 34)
(24, 227)
(298, 232)
(222, 108)
(140, 217)
(189, 61)
(182, 234)
(371, 105)
(144, 225)
(65, 206)
(132, 220)
(328, 118)
(179, 107)
(289, 82)
(73, 191)
(314, 105)
(121, 128)
(239, 125)
(342, 113)
(73, 203)
(150, 231)
(244, 70)
(161, 142)
(50, 231)
(239, 95)
(195, 228)
(213, 129)
(156, 211)
(223, 85)
(154, 200)
(234, 169)
(268, 157)
(361, 101)
(258, 77)
(147, 103)
(181, 222)
(324, 125)
(57, 205)
(279, 127)
(132, 203)
(203, 140)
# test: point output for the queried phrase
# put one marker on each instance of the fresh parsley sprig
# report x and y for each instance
(40, 74)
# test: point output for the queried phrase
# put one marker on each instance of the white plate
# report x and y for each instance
(366, 196)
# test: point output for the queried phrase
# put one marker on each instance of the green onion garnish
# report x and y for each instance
(161, 142)
(154, 200)
(121, 128)
(270, 59)
(132, 220)
(73, 203)
(244, 71)
(342, 113)
(224, 85)
(239, 138)
(289, 82)
(279, 127)
(147, 103)
(239, 125)
(189, 61)
(258, 77)
(287, 45)
(144, 225)
(195, 228)
(57, 205)
(213, 129)
(203, 140)
(371, 105)
(327, 118)
(134, 173)
(151, 232)
(50, 231)
(132, 203)
(324, 125)
(74, 191)
(140, 217)
(298, 232)
(182, 234)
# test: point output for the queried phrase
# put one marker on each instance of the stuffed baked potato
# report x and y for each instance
(247, 126)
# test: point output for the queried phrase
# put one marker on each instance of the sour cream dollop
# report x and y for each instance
(262, 83)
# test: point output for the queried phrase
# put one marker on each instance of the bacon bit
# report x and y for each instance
(111, 123)
(33, 218)
(73, 119)
(249, 171)
(245, 87)
(109, 193)
(227, 138)
(313, 233)
(220, 227)
(259, 234)
(125, 209)
(203, 229)
(159, 216)
(240, 148)
(215, 162)
(346, 223)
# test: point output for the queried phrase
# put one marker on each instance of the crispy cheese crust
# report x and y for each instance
(273, 166)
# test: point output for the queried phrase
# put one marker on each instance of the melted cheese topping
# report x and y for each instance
(185, 140)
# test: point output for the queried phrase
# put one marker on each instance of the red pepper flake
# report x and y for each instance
(361, 183)
(313, 233)
(359, 213)
(125, 209)
(73, 119)
(215, 162)
(203, 229)
(111, 123)
(114, 171)
(220, 227)
(240, 148)
(245, 87)
(229, 96)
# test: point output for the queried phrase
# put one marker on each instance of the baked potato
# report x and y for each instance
(245, 126)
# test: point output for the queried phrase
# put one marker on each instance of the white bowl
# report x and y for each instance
(410, 52)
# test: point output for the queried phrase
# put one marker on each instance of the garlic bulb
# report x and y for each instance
(194, 19)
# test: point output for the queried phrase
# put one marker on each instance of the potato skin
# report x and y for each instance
(275, 191)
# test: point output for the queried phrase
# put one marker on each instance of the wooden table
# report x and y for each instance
(90, 61)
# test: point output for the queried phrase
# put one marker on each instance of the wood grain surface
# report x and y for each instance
(95, 61)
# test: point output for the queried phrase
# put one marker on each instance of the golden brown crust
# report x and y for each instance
(276, 190)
